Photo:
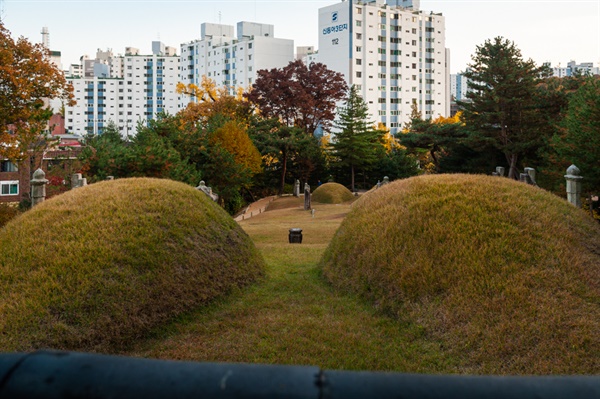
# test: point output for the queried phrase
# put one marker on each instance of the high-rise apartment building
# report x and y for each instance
(572, 68)
(125, 89)
(459, 86)
(232, 61)
(393, 52)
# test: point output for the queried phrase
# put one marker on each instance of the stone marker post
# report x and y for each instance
(297, 188)
(531, 176)
(306, 197)
(500, 170)
(78, 181)
(574, 185)
(38, 187)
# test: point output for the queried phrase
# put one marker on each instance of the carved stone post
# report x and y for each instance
(306, 197)
(297, 188)
(78, 181)
(38, 187)
(531, 176)
(574, 185)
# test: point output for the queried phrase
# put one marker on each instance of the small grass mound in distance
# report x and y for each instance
(332, 193)
(98, 267)
(505, 275)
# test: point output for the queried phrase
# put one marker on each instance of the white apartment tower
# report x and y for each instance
(459, 87)
(232, 61)
(127, 90)
(393, 52)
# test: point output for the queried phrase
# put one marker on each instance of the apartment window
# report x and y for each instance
(359, 74)
(358, 23)
(358, 61)
(358, 10)
(381, 63)
(414, 30)
(249, 46)
(9, 187)
(359, 36)
(7, 166)
(358, 49)
(414, 42)
(382, 26)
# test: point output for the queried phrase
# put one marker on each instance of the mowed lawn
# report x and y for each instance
(293, 316)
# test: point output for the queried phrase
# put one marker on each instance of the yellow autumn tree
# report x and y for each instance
(210, 100)
(390, 143)
(234, 138)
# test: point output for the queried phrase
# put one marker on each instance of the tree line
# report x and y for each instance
(288, 126)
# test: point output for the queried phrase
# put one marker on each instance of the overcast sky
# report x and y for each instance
(544, 30)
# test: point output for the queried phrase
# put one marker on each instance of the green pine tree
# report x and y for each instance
(356, 143)
(501, 111)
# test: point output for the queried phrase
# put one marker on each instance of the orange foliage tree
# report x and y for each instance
(27, 80)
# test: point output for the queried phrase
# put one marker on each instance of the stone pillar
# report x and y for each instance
(38, 187)
(297, 188)
(78, 181)
(75, 180)
(530, 176)
(306, 197)
(574, 185)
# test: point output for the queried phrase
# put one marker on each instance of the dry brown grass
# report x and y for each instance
(505, 275)
(98, 267)
(293, 316)
(332, 193)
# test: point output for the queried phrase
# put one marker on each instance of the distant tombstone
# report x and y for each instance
(207, 190)
(110, 178)
(378, 183)
(76, 180)
(530, 176)
(574, 185)
(306, 197)
(38, 187)
(297, 188)
(386, 180)
(500, 171)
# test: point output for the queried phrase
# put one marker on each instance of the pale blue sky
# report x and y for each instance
(544, 30)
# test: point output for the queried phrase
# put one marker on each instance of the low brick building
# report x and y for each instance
(59, 163)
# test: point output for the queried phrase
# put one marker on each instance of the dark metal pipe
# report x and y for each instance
(48, 374)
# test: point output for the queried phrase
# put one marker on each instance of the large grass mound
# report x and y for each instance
(331, 193)
(97, 267)
(504, 275)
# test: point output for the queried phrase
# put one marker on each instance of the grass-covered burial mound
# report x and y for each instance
(99, 266)
(504, 275)
(331, 193)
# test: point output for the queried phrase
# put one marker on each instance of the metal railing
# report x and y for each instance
(49, 374)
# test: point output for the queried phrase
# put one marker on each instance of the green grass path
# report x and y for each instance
(293, 316)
